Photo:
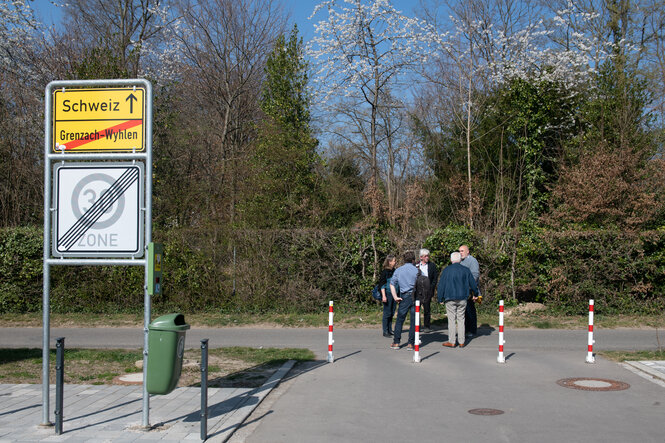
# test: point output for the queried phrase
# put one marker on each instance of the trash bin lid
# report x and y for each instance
(169, 322)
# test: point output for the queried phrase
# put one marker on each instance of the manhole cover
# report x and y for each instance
(129, 379)
(593, 384)
(485, 411)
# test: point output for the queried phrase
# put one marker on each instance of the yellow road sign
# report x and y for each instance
(106, 119)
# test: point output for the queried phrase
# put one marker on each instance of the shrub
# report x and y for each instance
(21, 251)
(301, 270)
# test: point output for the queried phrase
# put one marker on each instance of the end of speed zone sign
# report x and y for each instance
(98, 210)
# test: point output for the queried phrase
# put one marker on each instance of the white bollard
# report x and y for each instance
(416, 344)
(501, 358)
(330, 333)
(589, 355)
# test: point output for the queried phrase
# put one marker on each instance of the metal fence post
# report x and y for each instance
(59, 381)
(204, 389)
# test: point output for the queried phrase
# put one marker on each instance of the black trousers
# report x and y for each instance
(426, 304)
(427, 311)
(471, 318)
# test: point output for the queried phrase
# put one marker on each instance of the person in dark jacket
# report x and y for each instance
(386, 297)
(470, 315)
(454, 285)
(428, 269)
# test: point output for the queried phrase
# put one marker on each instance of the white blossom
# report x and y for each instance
(19, 31)
(524, 50)
(364, 44)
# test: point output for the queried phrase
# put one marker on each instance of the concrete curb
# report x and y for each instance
(648, 367)
(236, 419)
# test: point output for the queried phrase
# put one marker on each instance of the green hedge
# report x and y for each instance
(623, 272)
(21, 251)
(301, 270)
(274, 271)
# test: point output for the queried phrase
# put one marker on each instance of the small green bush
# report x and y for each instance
(21, 252)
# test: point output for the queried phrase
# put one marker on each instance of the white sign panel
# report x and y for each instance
(98, 210)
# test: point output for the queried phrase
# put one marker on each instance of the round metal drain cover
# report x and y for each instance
(129, 379)
(485, 411)
(593, 384)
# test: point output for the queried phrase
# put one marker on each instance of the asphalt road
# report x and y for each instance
(372, 393)
(316, 339)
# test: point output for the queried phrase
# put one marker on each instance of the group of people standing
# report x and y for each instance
(457, 286)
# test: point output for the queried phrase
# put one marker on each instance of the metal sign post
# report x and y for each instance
(100, 210)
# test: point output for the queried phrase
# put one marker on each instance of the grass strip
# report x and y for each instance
(621, 356)
(234, 366)
(369, 317)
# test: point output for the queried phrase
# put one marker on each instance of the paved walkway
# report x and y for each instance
(651, 370)
(107, 413)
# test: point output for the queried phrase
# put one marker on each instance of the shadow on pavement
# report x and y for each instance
(439, 336)
(137, 400)
(250, 398)
(305, 367)
(114, 418)
(431, 355)
(242, 425)
(20, 409)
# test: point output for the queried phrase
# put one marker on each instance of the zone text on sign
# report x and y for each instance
(89, 120)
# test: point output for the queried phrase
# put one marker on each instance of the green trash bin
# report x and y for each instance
(166, 346)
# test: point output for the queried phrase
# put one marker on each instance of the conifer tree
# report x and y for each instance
(284, 179)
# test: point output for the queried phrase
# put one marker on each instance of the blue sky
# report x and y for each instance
(299, 10)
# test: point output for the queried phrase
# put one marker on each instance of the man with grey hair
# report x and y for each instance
(470, 316)
(454, 285)
(427, 269)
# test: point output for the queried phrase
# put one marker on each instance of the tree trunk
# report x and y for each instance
(468, 153)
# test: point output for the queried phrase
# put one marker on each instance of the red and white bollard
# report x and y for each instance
(330, 333)
(589, 355)
(416, 344)
(501, 358)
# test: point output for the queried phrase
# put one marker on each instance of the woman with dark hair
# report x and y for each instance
(389, 303)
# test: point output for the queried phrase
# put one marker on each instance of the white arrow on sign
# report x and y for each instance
(98, 210)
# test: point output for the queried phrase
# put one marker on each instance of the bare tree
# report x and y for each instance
(134, 31)
(225, 44)
(362, 51)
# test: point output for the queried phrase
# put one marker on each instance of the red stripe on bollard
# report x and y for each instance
(590, 358)
(416, 343)
(501, 358)
(330, 332)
